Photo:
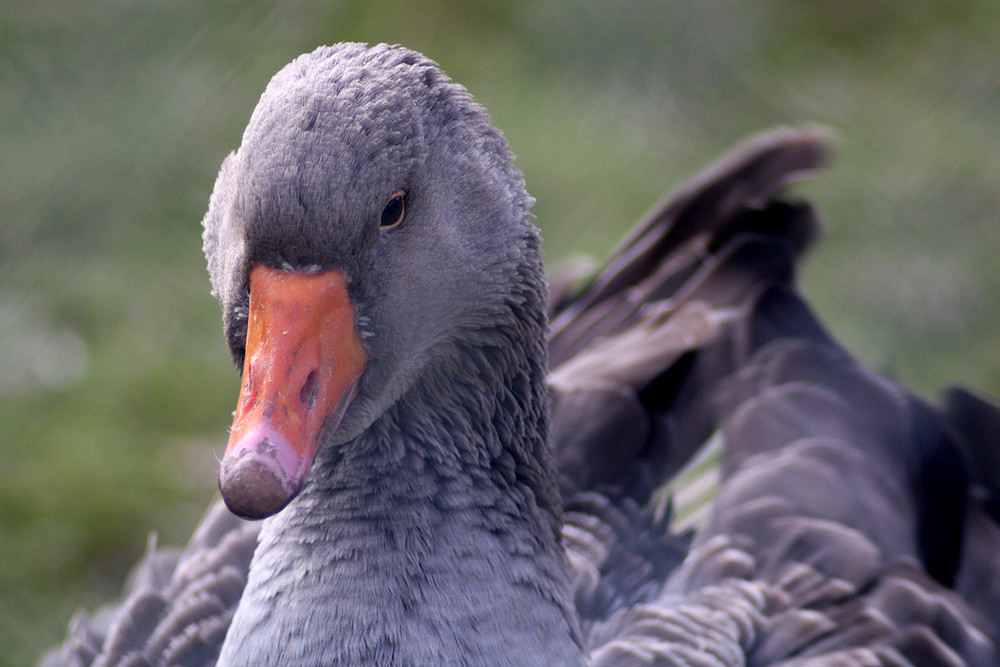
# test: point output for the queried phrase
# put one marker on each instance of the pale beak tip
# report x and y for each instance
(253, 482)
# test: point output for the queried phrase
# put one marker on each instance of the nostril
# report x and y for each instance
(309, 391)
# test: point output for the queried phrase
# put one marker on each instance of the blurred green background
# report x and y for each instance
(115, 385)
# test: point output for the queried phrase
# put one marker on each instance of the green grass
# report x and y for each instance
(115, 385)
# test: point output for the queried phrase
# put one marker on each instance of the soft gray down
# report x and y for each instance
(490, 496)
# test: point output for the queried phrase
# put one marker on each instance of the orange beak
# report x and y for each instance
(302, 365)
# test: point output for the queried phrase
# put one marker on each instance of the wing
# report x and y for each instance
(176, 607)
(638, 354)
(854, 524)
(623, 349)
(844, 532)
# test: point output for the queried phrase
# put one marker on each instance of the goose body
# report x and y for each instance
(464, 471)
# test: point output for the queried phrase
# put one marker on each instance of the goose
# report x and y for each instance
(447, 462)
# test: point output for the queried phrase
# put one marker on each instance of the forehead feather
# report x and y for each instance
(335, 132)
(345, 103)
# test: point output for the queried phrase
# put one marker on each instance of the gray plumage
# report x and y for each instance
(489, 497)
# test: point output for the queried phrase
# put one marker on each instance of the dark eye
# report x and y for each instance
(394, 211)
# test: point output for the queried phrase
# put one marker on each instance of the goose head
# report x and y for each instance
(368, 228)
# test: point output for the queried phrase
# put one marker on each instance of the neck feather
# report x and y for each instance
(431, 539)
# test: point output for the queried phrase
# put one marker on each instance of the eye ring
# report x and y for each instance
(394, 211)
